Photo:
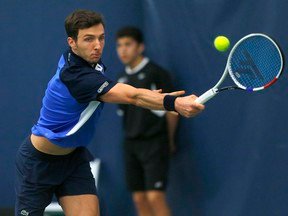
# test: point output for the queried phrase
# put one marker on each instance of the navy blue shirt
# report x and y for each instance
(140, 123)
(70, 107)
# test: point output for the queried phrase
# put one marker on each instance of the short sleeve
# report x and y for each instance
(85, 84)
(164, 81)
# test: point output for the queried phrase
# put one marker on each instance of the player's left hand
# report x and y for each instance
(176, 93)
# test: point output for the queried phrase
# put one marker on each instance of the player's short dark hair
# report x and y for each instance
(130, 31)
(82, 19)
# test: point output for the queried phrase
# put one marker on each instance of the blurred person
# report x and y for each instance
(54, 158)
(149, 135)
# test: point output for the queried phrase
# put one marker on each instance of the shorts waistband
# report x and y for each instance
(27, 144)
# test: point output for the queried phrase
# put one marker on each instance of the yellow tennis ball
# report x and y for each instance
(221, 43)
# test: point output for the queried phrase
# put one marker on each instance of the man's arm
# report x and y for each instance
(172, 123)
(123, 93)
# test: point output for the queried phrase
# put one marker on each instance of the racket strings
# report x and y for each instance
(255, 62)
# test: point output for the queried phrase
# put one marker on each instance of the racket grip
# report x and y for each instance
(206, 96)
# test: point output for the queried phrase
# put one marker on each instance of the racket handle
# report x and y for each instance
(206, 96)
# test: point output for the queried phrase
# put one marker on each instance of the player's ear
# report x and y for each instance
(71, 42)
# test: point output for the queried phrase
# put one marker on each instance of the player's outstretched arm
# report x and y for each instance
(123, 93)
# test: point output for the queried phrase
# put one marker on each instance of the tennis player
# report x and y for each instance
(54, 159)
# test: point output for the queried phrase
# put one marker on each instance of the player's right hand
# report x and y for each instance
(187, 107)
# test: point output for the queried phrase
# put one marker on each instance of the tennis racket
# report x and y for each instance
(254, 63)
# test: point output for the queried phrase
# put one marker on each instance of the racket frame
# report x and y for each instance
(215, 90)
(228, 66)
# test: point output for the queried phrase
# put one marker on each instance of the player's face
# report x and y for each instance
(89, 44)
(129, 50)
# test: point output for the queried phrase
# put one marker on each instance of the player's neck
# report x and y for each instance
(136, 62)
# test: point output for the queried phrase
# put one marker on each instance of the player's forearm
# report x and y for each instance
(126, 94)
(153, 99)
(148, 99)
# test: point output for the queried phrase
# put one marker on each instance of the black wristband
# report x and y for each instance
(169, 102)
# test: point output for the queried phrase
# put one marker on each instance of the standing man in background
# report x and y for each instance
(149, 135)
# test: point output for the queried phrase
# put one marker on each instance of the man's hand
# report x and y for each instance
(187, 107)
(177, 93)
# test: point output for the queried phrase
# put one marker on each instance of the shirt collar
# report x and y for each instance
(73, 58)
(139, 67)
